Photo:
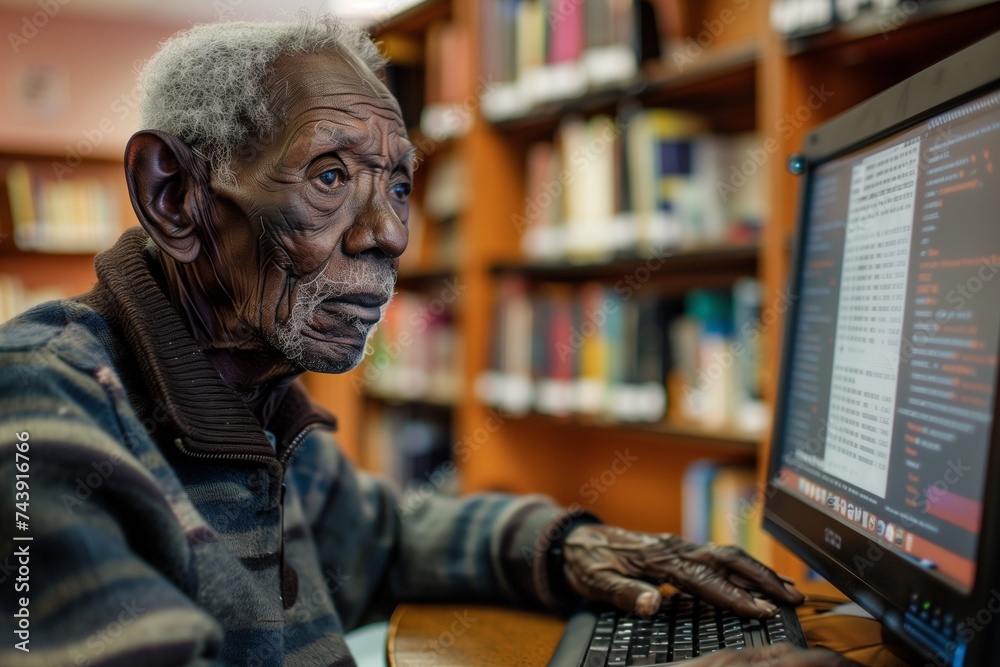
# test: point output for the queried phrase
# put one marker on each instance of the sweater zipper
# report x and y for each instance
(286, 455)
(258, 458)
(295, 443)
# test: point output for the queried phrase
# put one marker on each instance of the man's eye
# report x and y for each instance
(401, 190)
(332, 178)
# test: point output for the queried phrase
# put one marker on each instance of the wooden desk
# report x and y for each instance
(455, 635)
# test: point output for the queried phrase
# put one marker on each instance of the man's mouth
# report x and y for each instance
(367, 308)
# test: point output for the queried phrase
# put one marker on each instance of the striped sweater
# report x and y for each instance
(169, 528)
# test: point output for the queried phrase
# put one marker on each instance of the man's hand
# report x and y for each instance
(777, 655)
(624, 568)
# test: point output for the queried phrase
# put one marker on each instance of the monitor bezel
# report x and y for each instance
(885, 587)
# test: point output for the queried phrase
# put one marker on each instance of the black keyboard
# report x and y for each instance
(685, 627)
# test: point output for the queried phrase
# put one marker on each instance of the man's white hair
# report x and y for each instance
(208, 85)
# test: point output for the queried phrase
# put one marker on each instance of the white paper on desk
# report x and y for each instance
(849, 609)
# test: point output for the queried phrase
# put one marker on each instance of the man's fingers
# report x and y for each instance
(631, 595)
(762, 577)
(707, 583)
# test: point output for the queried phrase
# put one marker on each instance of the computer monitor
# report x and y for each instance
(884, 469)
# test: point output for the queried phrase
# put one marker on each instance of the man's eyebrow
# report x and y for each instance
(343, 137)
(409, 159)
(340, 137)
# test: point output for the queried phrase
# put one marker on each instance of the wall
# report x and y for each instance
(69, 86)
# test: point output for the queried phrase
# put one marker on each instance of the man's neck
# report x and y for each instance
(255, 371)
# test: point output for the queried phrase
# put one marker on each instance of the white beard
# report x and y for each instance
(366, 277)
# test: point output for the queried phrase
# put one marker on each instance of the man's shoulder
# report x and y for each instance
(57, 339)
(37, 327)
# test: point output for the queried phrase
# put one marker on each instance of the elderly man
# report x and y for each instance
(188, 504)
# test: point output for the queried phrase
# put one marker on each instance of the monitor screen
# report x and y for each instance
(889, 403)
(884, 466)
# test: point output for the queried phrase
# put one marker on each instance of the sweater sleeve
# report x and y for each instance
(384, 548)
(76, 590)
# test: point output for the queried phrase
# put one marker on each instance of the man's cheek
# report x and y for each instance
(274, 301)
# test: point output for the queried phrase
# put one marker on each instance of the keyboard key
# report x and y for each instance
(617, 657)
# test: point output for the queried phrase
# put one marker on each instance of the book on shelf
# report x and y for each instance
(15, 299)
(448, 104)
(410, 446)
(647, 182)
(414, 352)
(795, 19)
(405, 75)
(78, 215)
(534, 52)
(445, 200)
(561, 350)
(721, 503)
(589, 350)
(718, 375)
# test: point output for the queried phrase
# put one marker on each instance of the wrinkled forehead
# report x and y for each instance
(332, 80)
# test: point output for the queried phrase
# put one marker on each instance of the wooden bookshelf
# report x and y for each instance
(676, 271)
(724, 75)
(738, 441)
(68, 269)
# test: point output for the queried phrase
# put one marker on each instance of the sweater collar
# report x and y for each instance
(211, 418)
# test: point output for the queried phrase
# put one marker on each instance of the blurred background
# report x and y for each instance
(591, 302)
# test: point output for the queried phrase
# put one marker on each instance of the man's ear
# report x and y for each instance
(164, 179)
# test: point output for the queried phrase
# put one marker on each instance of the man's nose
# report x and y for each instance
(377, 226)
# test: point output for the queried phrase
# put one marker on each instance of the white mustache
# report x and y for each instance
(375, 278)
